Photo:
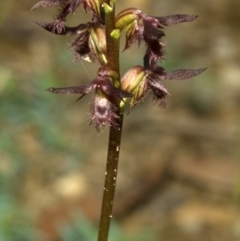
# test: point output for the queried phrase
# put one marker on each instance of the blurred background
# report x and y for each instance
(179, 174)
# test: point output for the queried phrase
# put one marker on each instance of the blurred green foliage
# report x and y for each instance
(26, 110)
(15, 223)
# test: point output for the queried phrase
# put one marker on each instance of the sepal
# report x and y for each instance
(175, 19)
(126, 17)
(97, 43)
(134, 81)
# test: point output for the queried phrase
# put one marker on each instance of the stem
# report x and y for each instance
(110, 180)
(112, 43)
(114, 134)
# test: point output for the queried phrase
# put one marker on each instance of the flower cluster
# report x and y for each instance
(111, 92)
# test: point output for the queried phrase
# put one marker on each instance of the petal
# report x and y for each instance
(159, 90)
(154, 80)
(152, 32)
(85, 89)
(175, 19)
(157, 85)
(66, 30)
(154, 53)
(48, 3)
(103, 113)
(182, 74)
(69, 6)
(74, 5)
(159, 97)
(57, 27)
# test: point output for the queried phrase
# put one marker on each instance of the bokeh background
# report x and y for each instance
(179, 169)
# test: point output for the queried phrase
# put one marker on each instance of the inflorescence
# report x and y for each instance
(111, 92)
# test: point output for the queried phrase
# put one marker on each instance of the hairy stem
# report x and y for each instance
(114, 135)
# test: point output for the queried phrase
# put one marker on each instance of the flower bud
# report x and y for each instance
(134, 81)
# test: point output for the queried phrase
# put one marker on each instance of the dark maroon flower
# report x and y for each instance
(69, 7)
(90, 43)
(103, 83)
(103, 110)
(138, 80)
(155, 77)
(142, 27)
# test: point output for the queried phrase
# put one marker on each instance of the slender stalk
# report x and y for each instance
(112, 43)
(114, 136)
(110, 180)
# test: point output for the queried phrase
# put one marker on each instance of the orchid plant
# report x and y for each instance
(98, 40)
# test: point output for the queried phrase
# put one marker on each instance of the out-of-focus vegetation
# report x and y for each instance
(179, 166)
(15, 223)
(79, 228)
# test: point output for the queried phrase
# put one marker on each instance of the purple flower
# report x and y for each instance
(69, 7)
(103, 110)
(142, 27)
(139, 80)
(90, 43)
